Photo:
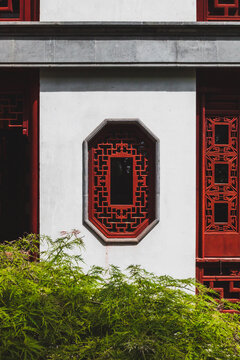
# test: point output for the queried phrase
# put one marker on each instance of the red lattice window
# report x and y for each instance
(12, 113)
(19, 10)
(218, 248)
(214, 10)
(18, 154)
(122, 180)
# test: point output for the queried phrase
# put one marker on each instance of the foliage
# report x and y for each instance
(53, 310)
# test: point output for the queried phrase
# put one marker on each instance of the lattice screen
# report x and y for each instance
(12, 112)
(121, 181)
(219, 10)
(218, 262)
(14, 10)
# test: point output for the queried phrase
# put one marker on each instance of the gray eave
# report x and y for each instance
(106, 44)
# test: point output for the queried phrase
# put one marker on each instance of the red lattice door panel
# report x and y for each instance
(218, 235)
(220, 183)
(121, 181)
(19, 10)
(221, 276)
(222, 10)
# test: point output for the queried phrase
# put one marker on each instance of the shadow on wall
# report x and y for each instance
(175, 80)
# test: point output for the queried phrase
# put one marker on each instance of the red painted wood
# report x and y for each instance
(35, 8)
(218, 243)
(128, 220)
(216, 10)
(8, 8)
(224, 245)
(198, 180)
(34, 106)
(27, 9)
(219, 238)
(200, 10)
(22, 10)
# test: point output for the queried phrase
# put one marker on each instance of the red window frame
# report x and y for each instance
(28, 10)
(216, 10)
(27, 83)
(119, 139)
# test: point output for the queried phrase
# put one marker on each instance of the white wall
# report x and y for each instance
(72, 104)
(118, 10)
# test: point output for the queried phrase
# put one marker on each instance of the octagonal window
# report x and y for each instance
(121, 188)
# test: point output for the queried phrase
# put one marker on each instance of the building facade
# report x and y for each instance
(121, 119)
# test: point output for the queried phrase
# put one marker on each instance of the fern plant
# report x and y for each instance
(52, 309)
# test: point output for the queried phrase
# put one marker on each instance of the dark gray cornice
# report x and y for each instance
(121, 29)
(125, 44)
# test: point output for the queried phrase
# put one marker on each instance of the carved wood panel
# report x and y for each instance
(222, 10)
(121, 181)
(19, 10)
(218, 258)
(221, 173)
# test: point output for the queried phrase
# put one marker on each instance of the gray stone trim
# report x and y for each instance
(86, 221)
(182, 44)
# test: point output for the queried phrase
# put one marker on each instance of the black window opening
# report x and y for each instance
(221, 134)
(221, 173)
(121, 181)
(221, 212)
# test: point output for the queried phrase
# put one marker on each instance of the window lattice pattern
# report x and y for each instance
(10, 9)
(120, 220)
(222, 10)
(223, 277)
(12, 112)
(218, 247)
(6, 5)
(221, 193)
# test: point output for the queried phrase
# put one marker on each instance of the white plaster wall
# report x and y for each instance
(72, 104)
(118, 10)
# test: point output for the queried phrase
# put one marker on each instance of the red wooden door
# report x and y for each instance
(218, 230)
(220, 180)
(18, 154)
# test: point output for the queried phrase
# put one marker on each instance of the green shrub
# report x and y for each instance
(53, 310)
